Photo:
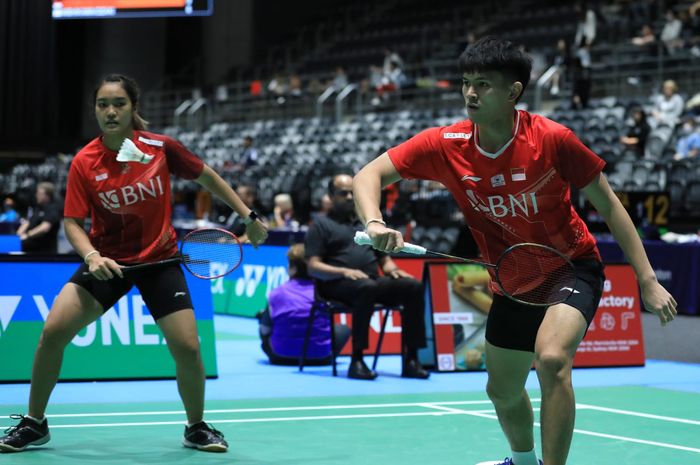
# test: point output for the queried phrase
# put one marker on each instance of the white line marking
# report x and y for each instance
(637, 414)
(272, 409)
(441, 407)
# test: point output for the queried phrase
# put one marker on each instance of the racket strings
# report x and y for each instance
(211, 253)
(536, 274)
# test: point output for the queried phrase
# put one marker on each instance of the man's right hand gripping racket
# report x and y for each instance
(528, 273)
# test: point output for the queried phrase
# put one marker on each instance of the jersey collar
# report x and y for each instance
(495, 155)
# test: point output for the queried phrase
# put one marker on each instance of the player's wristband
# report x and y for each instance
(251, 218)
(87, 255)
(374, 220)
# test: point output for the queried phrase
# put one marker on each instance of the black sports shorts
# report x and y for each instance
(163, 288)
(512, 325)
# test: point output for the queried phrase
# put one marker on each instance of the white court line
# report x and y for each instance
(272, 409)
(484, 414)
(637, 414)
(441, 406)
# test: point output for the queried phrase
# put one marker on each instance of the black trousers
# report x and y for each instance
(360, 296)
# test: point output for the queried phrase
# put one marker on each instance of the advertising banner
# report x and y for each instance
(245, 290)
(125, 343)
(460, 303)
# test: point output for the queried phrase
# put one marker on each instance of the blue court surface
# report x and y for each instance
(275, 415)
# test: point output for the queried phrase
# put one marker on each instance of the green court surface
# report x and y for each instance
(614, 426)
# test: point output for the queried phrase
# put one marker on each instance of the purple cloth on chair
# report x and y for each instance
(290, 305)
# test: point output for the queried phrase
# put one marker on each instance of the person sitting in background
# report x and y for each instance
(688, 145)
(249, 156)
(235, 223)
(283, 323)
(39, 233)
(349, 273)
(283, 213)
(668, 106)
(636, 136)
(9, 214)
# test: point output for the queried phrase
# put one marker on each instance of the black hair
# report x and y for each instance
(493, 54)
(132, 90)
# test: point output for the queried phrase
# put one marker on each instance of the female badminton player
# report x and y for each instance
(129, 204)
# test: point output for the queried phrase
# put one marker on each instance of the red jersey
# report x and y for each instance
(519, 194)
(129, 202)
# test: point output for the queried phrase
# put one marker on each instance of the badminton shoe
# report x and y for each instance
(26, 433)
(202, 436)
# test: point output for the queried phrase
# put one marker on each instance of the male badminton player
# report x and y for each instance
(129, 204)
(511, 172)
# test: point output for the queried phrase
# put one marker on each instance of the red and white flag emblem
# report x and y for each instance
(517, 174)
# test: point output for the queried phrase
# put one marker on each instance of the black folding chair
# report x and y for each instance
(331, 308)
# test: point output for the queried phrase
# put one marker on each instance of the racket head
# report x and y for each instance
(535, 274)
(210, 253)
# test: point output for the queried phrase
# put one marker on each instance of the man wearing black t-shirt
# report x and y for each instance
(39, 233)
(349, 273)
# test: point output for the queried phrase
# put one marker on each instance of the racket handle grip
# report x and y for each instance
(362, 238)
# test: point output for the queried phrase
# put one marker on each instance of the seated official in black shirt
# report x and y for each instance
(349, 273)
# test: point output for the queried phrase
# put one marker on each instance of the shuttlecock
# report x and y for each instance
(129, 152)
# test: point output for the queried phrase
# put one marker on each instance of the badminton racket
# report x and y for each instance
(206, 253)
(528, 273)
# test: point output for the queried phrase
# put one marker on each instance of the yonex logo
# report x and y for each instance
(8, 307)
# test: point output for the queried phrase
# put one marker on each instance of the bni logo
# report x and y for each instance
(8, 307)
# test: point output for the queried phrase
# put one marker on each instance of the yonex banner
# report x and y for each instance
(124, 343)
(244, 291)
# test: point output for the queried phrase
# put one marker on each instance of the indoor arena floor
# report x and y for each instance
(275, 415)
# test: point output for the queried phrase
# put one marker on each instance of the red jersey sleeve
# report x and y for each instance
(420, 157)
(577, 163)
(76, 203)
(181, 162)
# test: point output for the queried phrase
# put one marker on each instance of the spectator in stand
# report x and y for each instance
(283, 213)
(249, 155)
(277, 87)
(235, 224)
(562, 58)
(340, 80)
(671, 32)
(9, 214)
(295, 88)
(390, 56)
(688, 145)
(39, 232)
(646, 40)
(636, 136)
(586, 26)
(582, 80)
(668, 106)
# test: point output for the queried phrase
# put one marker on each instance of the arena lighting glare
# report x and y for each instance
(104, 9)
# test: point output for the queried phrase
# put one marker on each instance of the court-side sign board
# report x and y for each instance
(125, 343)
(460, 304)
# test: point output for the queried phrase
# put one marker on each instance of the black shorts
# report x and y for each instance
(163, 288)
(512, 325)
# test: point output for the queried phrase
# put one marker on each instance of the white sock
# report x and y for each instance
(525, 458)
(36, 420)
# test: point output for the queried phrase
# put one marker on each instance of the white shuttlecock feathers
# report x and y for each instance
(129, 152)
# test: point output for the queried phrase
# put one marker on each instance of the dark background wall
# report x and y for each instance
(48, 69)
